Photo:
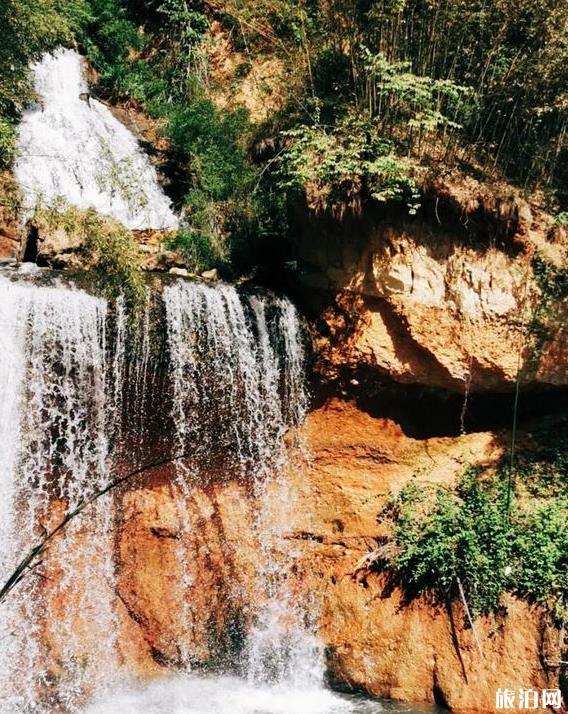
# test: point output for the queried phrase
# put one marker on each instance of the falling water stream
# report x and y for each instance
(53, 437)
(235, 366)
(71, 146)
(217, 372)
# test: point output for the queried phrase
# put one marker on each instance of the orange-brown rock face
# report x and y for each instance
(186, 591)
(425, 303)
(412, 651)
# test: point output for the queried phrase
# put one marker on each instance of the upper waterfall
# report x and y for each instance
(71, 146)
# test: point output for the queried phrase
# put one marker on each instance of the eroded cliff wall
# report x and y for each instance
(377, 641)
(447, 299)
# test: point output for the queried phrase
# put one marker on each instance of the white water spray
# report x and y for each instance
(53, 436)
(237, 367)
(71, 146)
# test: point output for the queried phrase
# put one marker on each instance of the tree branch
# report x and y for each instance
(30, 561)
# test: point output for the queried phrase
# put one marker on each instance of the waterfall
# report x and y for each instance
(238, 375)
(71, 146)
(71, 376)
(53, 436)
(237, 370)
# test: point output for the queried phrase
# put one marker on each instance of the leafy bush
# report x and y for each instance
(7, 142)
(219, 202)
(549, 313)
(197, 250)
(117, 260)
(540, 556)
(462, 535)
(444, 538)
(342, 165)
(107, 245)
(211, 142)
(397, 94)
(365, 152)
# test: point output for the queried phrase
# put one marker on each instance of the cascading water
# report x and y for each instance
(71, 146)
(53, 432)
(69, 365)
(238, 368)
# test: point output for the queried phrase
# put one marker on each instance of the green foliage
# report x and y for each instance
(188, 24)
(107, 246)
(109, 39)
(550, 312)
(511, 55)
(540, 556)
(396, 93)
(542, 466)
(219, 202)
(551, 279)
(443, 537)
(210, 140)
(117, 260)
(361, 154)
(7, 142)
(197, 250)
(340, 165)
(461, 535)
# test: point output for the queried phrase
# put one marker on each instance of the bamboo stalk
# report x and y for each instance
(468, 614)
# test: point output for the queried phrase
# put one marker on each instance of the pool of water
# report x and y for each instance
(230, 695)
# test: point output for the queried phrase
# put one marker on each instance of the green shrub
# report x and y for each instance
(7, 143)
(540, 555)
(341, 165)
(117, 260)
(197, 250)
(219, 203)
(459, 535)
(445, 537)
(106, 245)
(549, 314)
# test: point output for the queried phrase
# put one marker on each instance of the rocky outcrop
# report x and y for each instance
(65, 250)
(377, 640)
(195, 609)
(433, 300)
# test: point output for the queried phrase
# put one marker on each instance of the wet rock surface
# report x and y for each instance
(377, 641)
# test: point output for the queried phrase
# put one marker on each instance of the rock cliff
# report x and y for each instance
(424, 302)
(376, 641)
(447, 299)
